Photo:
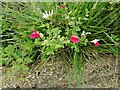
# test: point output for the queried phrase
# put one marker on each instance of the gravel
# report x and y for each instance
(96, 74)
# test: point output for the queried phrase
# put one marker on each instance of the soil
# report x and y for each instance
(102, 73)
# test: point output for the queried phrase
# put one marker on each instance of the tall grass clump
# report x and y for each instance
(37, 31)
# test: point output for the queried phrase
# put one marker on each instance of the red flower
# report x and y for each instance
(63, 6)
(37, 34)
(96, 43)
(74, 39)
(34, 34)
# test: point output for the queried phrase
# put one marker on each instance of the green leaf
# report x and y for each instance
(77, 49)
(76, 28)
(50, 50)
(16, 67)
(45, 25)
(85, 42)
(55, 31)
(67, 42)
(53, 43)
(37, 42)
(72, 18)
(67, 17)
(19, 60)
(25, 68)
(72, 23)
(27, 60)
(58, 46)
(9, 50)
(16, 56)
(45, 42)
(62, 39)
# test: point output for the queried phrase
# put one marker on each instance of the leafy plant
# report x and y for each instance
(22, 22)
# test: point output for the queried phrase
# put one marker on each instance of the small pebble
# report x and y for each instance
(60, 78)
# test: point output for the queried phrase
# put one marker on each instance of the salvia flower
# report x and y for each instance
(35, 34)
(96, 43)
(84, 34)
(74, 39)
(63, 6)
(46, 15)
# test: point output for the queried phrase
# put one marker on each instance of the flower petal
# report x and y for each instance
(88, 33)
(32, 36)
(74, 39)
(96, 44)
(83, 33)
(95, 40)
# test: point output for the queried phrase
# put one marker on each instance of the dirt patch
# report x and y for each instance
(96, 74)
(102, 73)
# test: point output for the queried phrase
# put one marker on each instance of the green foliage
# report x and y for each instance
(101, 19)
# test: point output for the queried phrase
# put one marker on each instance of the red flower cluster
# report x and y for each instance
(34, 34)
(74, 39)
